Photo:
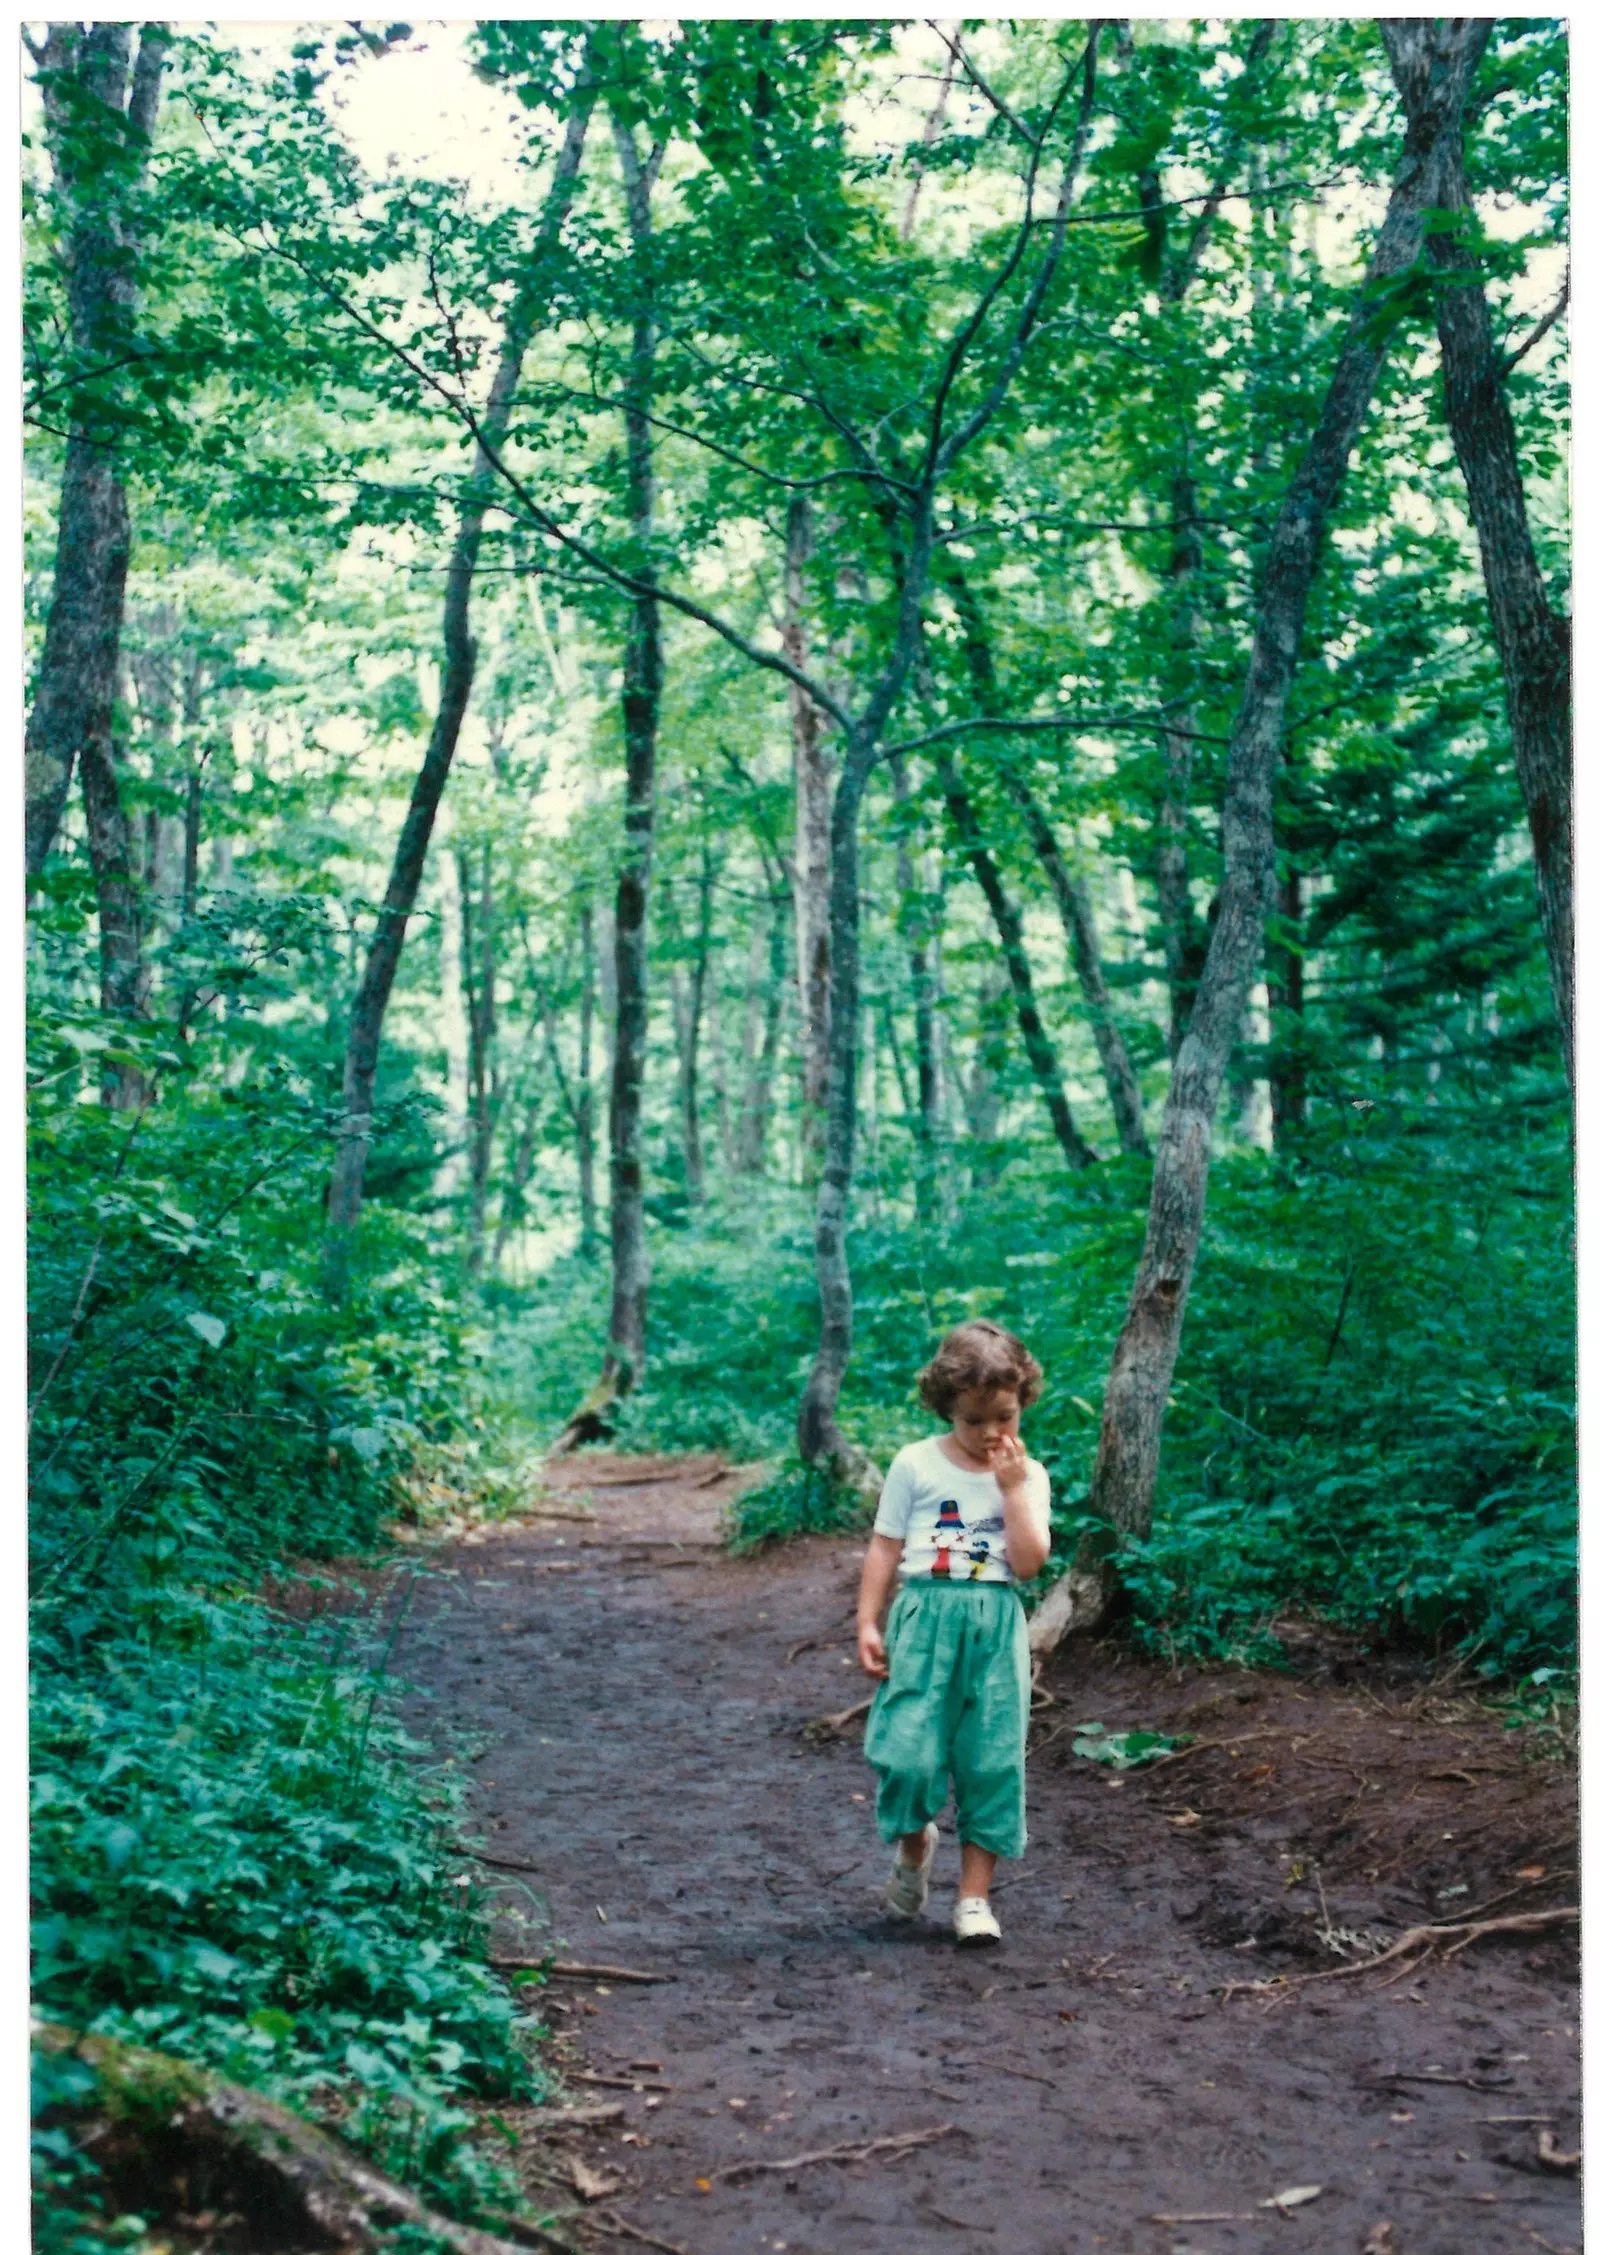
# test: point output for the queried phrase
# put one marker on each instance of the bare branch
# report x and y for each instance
(1543, 329)
(941, 457)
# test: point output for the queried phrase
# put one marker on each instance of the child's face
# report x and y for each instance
(980, 1421)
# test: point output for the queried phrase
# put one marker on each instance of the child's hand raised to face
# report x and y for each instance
(1008, 1461)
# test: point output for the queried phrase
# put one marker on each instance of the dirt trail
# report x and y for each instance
(645, 1699)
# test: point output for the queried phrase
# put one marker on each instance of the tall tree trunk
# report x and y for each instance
(1083, 941)
(813, 788)
(761, 1062)
(1122, 1494)
(1286, 999)
(1533, 638)
(1071, 894)
(365, 1034)
(641, 708)
(925, 1124)
(1183, 937)
(478, 974)
(588, 1227)
(99, 123)
(688, 1009)
(1008, 924)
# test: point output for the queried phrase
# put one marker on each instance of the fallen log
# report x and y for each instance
(168, 2119)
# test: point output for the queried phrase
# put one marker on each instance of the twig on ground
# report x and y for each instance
(1551, 2156)
(496, 1863)
(617, 2225)
(1022, 2074)
(864, 2150)
(614, 2082)
(833, 1725)
(1424, 1938)
(570, 1970)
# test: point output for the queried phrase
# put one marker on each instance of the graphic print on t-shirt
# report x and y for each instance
(949, 1536)
(949, 1519)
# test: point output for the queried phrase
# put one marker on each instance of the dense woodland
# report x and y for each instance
(894, 671)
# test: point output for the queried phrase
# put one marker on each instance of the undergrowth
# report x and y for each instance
(241, 1860)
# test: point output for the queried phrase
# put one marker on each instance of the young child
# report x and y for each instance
(964, 1516)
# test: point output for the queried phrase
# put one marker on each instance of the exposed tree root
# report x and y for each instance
(1414, 1947)
(234, 2149)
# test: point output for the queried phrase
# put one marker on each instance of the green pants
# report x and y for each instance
(955, 1706)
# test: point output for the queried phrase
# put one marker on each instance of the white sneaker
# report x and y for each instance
(975, 1921)
(907, 1890)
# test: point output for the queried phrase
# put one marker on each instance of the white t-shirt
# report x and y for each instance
(952, 1522)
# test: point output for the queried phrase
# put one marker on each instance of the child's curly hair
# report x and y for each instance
(979, 1358)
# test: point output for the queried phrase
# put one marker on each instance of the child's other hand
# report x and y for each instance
(1009, 1462)
(869, 1649)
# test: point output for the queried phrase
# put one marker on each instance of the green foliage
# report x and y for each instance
(798, 1499)
(238, 1860)
(1124, 1749)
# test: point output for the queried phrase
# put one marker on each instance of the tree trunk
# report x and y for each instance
(813, 787)
(925, 1125)
(1083, 942)
(1008, 924)
(761, 1062)
(99, 124)
(588, 1227)
(1286, 999)
(365, 1034)
(641, 707)
(478, 973)
(1183, 937)
(1533, 638)
(1122, 1494)
(688, 1000)
(1071, 894)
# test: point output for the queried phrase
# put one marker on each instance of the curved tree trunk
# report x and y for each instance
(817, 1425)
(1533, 638)
(1008, 924)
(1123, 1491)
(365, 1034)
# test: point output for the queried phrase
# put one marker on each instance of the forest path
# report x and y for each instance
(645, 1698)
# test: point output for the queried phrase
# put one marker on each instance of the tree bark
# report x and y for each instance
(813, 790)
(924, 1115)
(365, 1034)
(1533, 638)
(588, 1226)
(641, 708)
(761, 1057)
(688, 1009)
(1071, 894)
(478, 975)
(1008, 924)
(1286, 999)
(99, 126)
(1122, 1493)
